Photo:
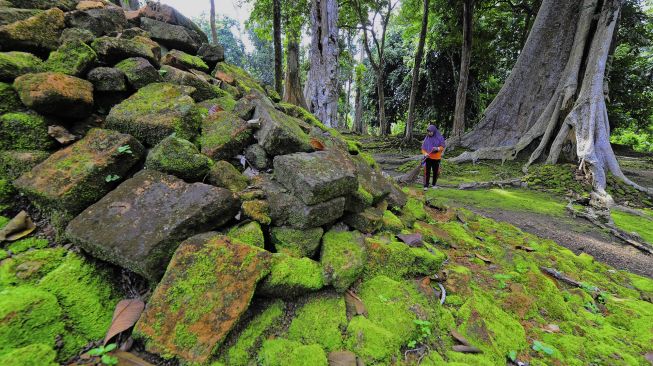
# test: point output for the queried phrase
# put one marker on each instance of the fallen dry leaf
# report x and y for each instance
(552, 328)
(125, 316)
(484, 259)
(466, 349)
(61, 134)
(342, 358)
(355, 303)
(317, 144)
(524, 248)
(413, 240)
(459, 337)
(224, 77)
(18, 227)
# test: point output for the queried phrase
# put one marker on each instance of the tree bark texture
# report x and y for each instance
(276, 28)
(419, 53)
(321, 91)
(466, 54)
(214, 32)
(556, 93)
(293, 92)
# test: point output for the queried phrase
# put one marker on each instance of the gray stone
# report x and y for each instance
(107, 79)
(113, 50)
(211, 53)
(100, 21)
(295, 242)
(224, 135)
(257, 156)
(368, 221)
(139, 72)
(203, 89)
(315, 177)
(279, 134)
(178, 157)
(10, 15)
(139, 225)
(172, 36)
(39, 34)
(76, 35)
(65, 5)
(183, 61)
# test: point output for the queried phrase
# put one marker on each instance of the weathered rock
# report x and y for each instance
(57, 94)
(170, 15)
(139, 224)
(10, 15)
(139, 72)
(203, 90)
(224, 135)
(89, 4)
(280, 351)
(14, 163)
(290, 277)
(211, 53)
(279, 134)
(343, 258)
(397, 260)
(296, 243)
(234, 75)
(183, 61)
(397, 197)
(368, 221)
(73, 178)
(207, 287)
(14, 64)
(149, 43)
(76, 35)
(24, 131)
(172, 36)
(256, 155)
(288, 210)
(65, 5)
(113, 50)
(223, 174)
(249, 233)
(9, 101)
(225, 103)
(315, 177)
(155, 112)
(371, 184)
(107, 79)
(72, 58)
(178, 157)
(99, 21)
(39, 33)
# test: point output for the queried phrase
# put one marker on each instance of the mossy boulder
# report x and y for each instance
(211, 53)
(256, 155)
(72, 58)
(368, 221)
(9, 14)
(257, 210)
(371, 342)
(39, 33)
(56, 94)
(343, 258)
(107, 79)
(295, 242)
(76, 35)
(65, 5)
(139, 72)
(37, 354)
(373, 186)
(75, 177)
(283, 352)
(155, 112)
(183, 61)
(290, 277)
(397, 260)
(224, 135)
(172, 36)
(139, 224)
(279, 134)
(249, 233)
(24, 131)
(225, 103)
(13, 163)
(203, 89)
(14, 64)
(207, 287)
(321, 320)
(391, 222)
(9, 101)
(237, 77)
(223, 174)
(180, 158)
(315, 177)
(112, 50)
(100, 21)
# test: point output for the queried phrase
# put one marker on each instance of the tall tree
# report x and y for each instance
(321, 90)
(556, 93)
(358, 103)
(276, 26)
(419, 53)
(466, 55)
(296, 14)
(214, 32)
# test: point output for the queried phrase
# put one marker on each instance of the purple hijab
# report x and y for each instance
(432, 141)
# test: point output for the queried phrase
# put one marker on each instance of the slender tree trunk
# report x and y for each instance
(461, 94)
(419, 53)
(358, 111)
(293, 92)
(276, 26)
(321, 91)
(214, 32)
(383, 122)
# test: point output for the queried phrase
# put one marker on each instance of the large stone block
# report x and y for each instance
(224, 135)
(172, 36)
(39, 33)
(139, 224)
(279, 134)
(203, 89)
(139, 72)
(112, 50)
(99, 21)
(14, 64)
(56, 94)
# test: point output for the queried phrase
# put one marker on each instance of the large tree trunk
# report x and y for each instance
(419, 53)
(293, 92)
(384, 126)
(321, 90)
(214, 32)
(276, 27)
(461, 94)
(555, 93)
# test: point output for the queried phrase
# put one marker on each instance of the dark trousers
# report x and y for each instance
(431, 165)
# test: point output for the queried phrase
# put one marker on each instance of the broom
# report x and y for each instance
(411, 175)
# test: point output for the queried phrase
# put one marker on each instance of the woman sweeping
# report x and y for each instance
(432, 148)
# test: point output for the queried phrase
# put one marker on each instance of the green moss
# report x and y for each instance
(3, 254)
(242, 353)
(391, 222)
(72, 58)
(36, 354)
(186, 60)
(7, 192)
(412, 211)
(295, 242)
(304, 115)
(321, 321)
(178, 157)
(242, 79)
(15, 163)
(28, 243)
(225, 102)
(642, 225)
(555, 178)
(363, 196)
(223, 174)
(371, 342)
(24, 131)
(397, 260)
(224, 135)
(290, 277)
(282, 352)
(354, 147)
(14, 64)
(257, 210)
(343, 258)
(368, 159)
(30, 267)
(249, 233)
(9, 101)
(3, 221)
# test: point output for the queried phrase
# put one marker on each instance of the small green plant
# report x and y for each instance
(111, 178)
(542, 348)
(163, 72)
(103, 353)
(591, 307)
(125, 149)
(502, 278)
(512, 356)
(423, 332)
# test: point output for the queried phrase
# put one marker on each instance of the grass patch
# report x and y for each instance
(641, 225)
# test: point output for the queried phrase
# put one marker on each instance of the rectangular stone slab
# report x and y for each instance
(207, 287)
(139, 224)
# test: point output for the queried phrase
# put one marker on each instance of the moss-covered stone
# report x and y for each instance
(39, 33)
(14, 163)
(397, 260)
(156, 111)
(368, 221)
(76, 35)
(295, 242)
(14, 64)
(280, 134)
(225, 103)
(139, 72)
(57, 94)
(258, 210)
(282, 352)
(9, 101)
(26, 244)
(321, 321)
(223, 174)
(249, 233)
(178, 157)
(72, 58)
(371, 342)
(391, 222)
(184, 61)
(290, 277)
(9, 14)
(112, 50)
(236, 76)
(208, 285)
(30, 267)
(24, 131)
(203, 89)
(65, 5)
(36, 354)
(107, 79)
(224, 135)
(343, 258)
(304, 115)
